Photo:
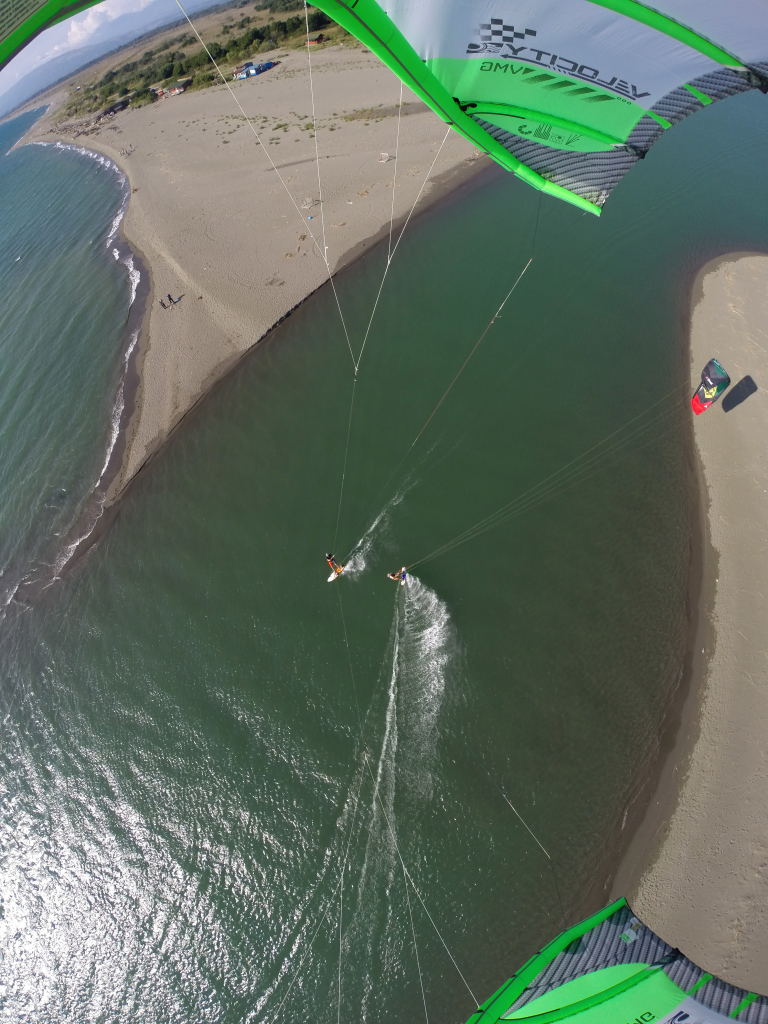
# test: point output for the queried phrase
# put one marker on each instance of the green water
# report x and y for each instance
(182, 768)
(65, 289)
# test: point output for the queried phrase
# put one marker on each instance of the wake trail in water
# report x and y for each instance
(429, 652)
(379, 531)
(358, 558)
(424, 654)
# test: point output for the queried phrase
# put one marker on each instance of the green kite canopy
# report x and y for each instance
(22, 20)
(612, 969)
(566, 94)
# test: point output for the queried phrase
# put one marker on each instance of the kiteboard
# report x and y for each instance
(335, 575)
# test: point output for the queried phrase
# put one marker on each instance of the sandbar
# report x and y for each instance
(213, 221)
(704, 884)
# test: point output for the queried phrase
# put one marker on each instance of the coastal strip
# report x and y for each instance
(211, 219)
(700, 863)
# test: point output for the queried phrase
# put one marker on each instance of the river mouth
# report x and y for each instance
(181, 706)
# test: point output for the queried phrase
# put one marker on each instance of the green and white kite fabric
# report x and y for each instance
(567, 94)
(612, 969)
(22, 20)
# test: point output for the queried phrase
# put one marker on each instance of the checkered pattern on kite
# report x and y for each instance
(498, 32)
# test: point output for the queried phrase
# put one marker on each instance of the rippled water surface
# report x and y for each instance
(202, 805)
(64, 291)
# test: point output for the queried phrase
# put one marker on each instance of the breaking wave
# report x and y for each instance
(119, 406)
(107, 164)
(133, 276)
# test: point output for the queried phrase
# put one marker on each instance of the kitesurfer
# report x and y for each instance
(401, 575)
(338, 569)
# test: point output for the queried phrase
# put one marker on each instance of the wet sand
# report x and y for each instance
(210, 217)
(702, 855)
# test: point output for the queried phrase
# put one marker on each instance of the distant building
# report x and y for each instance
(172, 90)
(257, 69)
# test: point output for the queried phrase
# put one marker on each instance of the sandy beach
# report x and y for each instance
(213, 222)
(210, 217)
(704, 888)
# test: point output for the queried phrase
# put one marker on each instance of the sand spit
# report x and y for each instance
(707, 891)
(211, 219)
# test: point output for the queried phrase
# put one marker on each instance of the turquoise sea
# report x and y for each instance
(67, 282)
(209, 799)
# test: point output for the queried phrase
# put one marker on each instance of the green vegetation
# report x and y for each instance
(168, 62)
(277, 6)
(142, 97)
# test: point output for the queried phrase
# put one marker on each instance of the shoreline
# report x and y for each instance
(117, 495)
(180, 358)
(639, 841)
(118, 476)
(78, 538)
(688, 868)
(655, 793)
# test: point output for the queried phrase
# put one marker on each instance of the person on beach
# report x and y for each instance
(168, 296)
(402, 576)
(338, 569)
(163, 304)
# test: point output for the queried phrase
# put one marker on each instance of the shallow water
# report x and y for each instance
(65, 287)
(188, 763)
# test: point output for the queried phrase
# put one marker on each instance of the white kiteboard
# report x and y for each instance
(335, 575)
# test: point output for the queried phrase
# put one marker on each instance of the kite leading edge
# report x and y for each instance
(566, 94)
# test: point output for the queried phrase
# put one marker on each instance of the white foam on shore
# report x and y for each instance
(116, 222)
(133, 276)
(119, 406)
(109, 165)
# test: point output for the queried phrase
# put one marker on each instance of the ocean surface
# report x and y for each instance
(233, 792)
(66, 282)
